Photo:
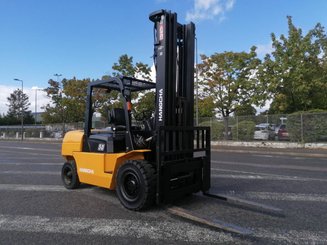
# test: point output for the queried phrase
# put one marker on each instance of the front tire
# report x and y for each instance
(69, 175)
(136, 184)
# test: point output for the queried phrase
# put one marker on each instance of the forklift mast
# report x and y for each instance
(174, 63)
(182, 150)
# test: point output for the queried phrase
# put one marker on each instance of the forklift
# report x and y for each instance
(161, 157)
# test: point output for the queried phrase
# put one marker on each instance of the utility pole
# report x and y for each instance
(36, 89)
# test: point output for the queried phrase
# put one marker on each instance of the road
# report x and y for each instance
(36, 209)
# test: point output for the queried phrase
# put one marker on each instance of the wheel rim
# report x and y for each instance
(131, 186)
(68, 175)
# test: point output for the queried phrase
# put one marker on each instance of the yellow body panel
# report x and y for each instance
(72, 142)
(99, 169)
(90, 169)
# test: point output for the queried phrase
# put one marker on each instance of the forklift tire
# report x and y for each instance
(136, 184)
(69, 175)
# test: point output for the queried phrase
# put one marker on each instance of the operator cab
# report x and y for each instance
(124, 129)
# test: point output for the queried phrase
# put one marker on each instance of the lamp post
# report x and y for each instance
(22, 109)
(61, 105)
(35, 115)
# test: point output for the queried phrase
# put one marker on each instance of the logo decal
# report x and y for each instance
(160, 117)
(86, 170)
(101, 147)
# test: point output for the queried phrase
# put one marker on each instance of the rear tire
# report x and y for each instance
(136, 184)
(69, 175)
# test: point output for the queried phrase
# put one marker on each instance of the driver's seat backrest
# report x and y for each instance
(117, 117)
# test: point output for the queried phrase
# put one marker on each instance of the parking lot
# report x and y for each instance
(36, 209)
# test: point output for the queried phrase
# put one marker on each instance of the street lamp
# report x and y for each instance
(36, 89)
(22, 109)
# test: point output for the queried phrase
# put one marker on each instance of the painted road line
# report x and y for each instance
(30, 172)
(293, 236)
(30, 148)
(31, 163)
(154, 230)
(266, 174)
(264, 177)
(23, 187)
(282, 153)
(262, 165)
(28, 153)
(277, 196)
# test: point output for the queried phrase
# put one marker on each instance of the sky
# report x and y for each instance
(83, 38)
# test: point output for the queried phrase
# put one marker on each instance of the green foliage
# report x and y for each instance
(244, 130)
(295, 73)
(230, 79)
(146, 104)
(68, 99)
(216, 129)
(206, 107)
(18, 104)
(126, 67)
(245, 110)
(313, 127)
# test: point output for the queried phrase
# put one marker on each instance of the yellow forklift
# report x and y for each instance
(162, 156)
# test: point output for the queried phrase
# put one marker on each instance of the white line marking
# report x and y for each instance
(293, 236)
(154, 230)
(263, 165)
(252, 195)
(29, 148)
(22, 187)
(32, 163)
(264, 177)
(276, 196)
(31, 172)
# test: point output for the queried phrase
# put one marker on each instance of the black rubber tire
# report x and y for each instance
(69, 175)
(136, 184)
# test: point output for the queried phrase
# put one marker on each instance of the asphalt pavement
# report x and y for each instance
(36, 209)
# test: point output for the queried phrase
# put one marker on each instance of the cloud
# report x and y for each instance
(209, 9)
(263, 49)
(5, 92)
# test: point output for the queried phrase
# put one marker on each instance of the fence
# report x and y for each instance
(301, 127)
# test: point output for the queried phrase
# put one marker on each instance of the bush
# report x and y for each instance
(314, 125)
(217, 129)
(244, 130)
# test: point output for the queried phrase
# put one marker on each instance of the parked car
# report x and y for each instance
(282, 133)
(264, 131)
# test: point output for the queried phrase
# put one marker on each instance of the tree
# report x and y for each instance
(143, 102)
(68, 101)
(295, 73)
(18, 104)
(68, 97)
(230, 78)
(206, 107)
(245, 110)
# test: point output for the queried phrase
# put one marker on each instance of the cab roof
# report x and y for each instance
(121, 83)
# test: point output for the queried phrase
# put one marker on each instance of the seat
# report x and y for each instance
(117, 119)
